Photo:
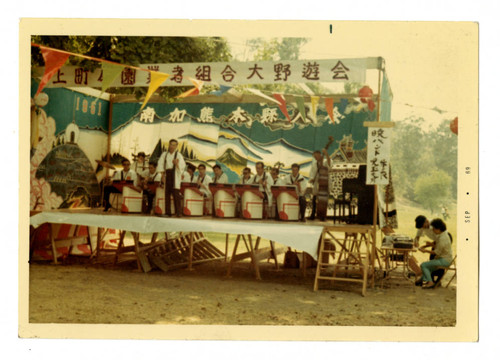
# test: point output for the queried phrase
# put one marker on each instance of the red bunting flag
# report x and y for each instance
(194, 91)
(329, 108)
(282, 105)
(53, 62)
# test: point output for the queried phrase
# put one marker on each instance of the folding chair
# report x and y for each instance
(451, 267)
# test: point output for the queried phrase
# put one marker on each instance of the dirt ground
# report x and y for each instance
(98, 294)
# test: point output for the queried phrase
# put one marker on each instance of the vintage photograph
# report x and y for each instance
(249, 179)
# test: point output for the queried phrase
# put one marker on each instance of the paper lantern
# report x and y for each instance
(366, 96)
(41, 99)
(365, 93)
(454, 126)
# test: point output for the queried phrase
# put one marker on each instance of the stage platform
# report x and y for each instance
(303, 236)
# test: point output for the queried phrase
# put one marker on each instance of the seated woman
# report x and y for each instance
(442, 251)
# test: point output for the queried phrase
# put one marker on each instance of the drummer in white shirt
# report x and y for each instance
(188, 175)
(246, 177)
(151, 176)
(220, 177)
(265, 181)
(203, 180)
(140, 166)
(122, 175)
(295, 178)
(277, 181)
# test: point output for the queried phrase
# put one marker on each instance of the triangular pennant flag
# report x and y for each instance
(109, 73)
(157, 78)
(191, 92)
(343, 105)
(54, 60)
(282, 105)
(197, 83)
(262, 95)
(299, 100)
(329, 108)
(314, 106)
(222, 90)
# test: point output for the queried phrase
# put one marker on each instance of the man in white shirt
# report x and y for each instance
(295, 178)
(423, 229)
(149, 177)
(188, 175)
(140, 166)
(171, 164)
(220, 177)
(203, 180)
(121, 175)
(246, 178)
(264, 180)
(320, 159)
(277, 181)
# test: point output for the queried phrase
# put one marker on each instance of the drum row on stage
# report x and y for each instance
(227, 201)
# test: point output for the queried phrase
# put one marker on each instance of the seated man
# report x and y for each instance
(246, 177)
(150, 177)
(140, 165)
(220, 177)
(442, 251)
(188, 175)
(121, 175)
(425, 228)
(277, 181)
(203, 181)
(264, 180)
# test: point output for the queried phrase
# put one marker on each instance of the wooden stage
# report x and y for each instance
(352, 246)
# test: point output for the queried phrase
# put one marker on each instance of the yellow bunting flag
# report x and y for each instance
(157, 78)
(314, 107)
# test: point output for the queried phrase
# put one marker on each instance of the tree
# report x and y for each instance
(444, 149)
(136, 50)
(409, 155)
(433, 189)
(275, 49)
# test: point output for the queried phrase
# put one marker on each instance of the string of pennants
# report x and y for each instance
(54, 59)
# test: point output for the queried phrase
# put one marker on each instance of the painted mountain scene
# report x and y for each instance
(235, 135)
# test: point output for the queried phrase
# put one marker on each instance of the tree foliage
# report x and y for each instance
(416, 154)
(135, 50)
(275, 49)
(433, 189)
